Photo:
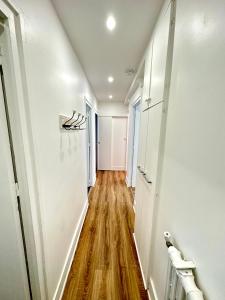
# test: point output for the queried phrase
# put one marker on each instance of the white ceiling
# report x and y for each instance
(101, 52)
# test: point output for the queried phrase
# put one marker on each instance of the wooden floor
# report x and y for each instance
(105, 265)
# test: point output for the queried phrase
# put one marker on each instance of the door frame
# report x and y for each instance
(119, 117)
(92, 165)
(18, 109)
(130, 144)
(88, 144)
(134, 106)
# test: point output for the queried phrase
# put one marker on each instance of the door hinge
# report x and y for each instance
(17, 189)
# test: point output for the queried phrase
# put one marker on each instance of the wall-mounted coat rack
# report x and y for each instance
(74, 122)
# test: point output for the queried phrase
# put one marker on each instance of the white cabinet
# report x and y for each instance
(154, 82)
(147, 77)
(143, 141)
(144, 105)
(159, 57)
(152, 144)
(150, 131)
(143, 213)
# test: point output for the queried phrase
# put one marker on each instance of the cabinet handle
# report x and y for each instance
(153, 105)
(148, 101)
(146, 178)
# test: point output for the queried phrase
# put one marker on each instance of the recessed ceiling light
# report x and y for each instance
(111, 23)
(110, 96)
(110, 79)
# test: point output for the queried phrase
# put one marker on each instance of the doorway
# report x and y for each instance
(88, 140)
(14, 268)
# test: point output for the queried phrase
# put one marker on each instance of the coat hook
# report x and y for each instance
(66, 125)
(78, 116)
(74, 127)
(78, 127)
(83, 122)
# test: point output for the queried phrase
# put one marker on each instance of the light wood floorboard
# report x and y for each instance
(105, 264)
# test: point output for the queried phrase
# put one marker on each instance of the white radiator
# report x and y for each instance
(181, 282)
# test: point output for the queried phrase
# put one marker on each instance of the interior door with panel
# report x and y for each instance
(13, 275)
(104, 143)
(119, 143)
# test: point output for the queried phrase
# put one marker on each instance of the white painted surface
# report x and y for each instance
(131, 119)
(89, 129)
(147, 75)
(159, 56)
(152, 145)
(143, 221)
(137, 114)
(191, 204)
(105, 53)
(56, 84)
(70, 256)
(149, 145)
(112, 143)
(143, 136)
(13, 283)
(104, 143)
(119, 143)
(110, 108)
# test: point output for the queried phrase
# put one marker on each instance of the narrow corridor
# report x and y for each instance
(105, 265)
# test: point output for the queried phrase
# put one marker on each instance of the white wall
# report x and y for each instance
(191, 204)
(56, 85)
(111, 108)
(137, 95)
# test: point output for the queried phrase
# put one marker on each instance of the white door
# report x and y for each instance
(13, 277)
(119, 143)
(104, 143)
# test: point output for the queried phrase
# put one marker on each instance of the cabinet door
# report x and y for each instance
(153, 139)
(159, 57)
(143, 221)
(147, 77)
(143, 140)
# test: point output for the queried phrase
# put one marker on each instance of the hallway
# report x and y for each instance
(105, 265)
(112, 147)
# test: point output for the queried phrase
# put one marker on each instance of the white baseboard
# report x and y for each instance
(118, 168)
(70, 255)
(152, 290)
(139, 260)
